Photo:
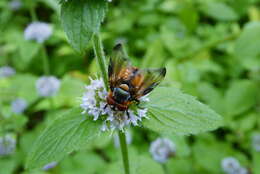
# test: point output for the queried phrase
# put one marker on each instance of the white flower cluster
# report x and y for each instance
(231, 165)
(256, 142)
(128, 136)
(162, 149)
(15, 5)
(94, 103)
(6, 71)
(7, 145)
(47, 86)
(39, 31)
(19, 105)
(49, 166)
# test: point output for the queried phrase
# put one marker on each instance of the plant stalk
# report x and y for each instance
(45, 61)
(124, 151)
(100, 56)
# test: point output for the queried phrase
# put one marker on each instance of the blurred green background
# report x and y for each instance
(211, 49)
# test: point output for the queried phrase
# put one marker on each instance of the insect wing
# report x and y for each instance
(146, 80)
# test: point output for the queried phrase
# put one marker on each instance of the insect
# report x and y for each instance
(128, 83)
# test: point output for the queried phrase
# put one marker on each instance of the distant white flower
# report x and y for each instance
(49, 166)
(6, 71)
(15, 4)
(231, 165)
(128, 136)
(39, 31)
(242, 170)
(109, 0)
(19, 105)
(47, 86)
(162, 149)
(7, 145)
(94, 103)
(256, 142)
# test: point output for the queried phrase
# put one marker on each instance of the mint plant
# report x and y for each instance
(167, 110)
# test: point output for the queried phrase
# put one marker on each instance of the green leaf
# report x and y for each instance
(66, 134)
(240, 97)
(247, 45)
(171, 111)
(220, 11)
(80, 19)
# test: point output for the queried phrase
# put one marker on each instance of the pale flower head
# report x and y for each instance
(15, 4)
(231, 165)
(47, 86)
(7, 145)
(6, 71)
(256, 142)
(162, 149)
(95, 105)
(38, 31)
(19, 105)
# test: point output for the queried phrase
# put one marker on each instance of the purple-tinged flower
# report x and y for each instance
(162, 149)
(6, 71)
(19, 105)
(47, 86)
(39, 31)
(7, 145)
(94, 104)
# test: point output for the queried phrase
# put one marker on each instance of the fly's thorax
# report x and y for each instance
(120, 95)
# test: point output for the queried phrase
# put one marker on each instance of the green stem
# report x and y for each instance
(98, 48)
(45, 61)
(33, 13)
(124, 151)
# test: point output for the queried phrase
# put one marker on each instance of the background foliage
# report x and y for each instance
(209, 47)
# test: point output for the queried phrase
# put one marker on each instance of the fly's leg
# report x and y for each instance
(128, 115)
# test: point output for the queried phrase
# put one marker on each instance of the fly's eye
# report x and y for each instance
(121, 95)
(124, 87)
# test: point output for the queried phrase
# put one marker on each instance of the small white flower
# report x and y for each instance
(15, 4)
(6, 71)
(242, 170)
(94, 103)
(128, 136)
(230, 165)
(256, 142)
(7, 145)
(161, 149)
(47, 86)
(39, 31)
(19, 105)
(49, 166)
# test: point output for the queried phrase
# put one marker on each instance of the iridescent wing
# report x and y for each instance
(119, 68)
(146, 80)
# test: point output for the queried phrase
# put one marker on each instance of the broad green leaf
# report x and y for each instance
(220, 11)
(171, 111)
(80, 19)
(146, 165)
(69, 132)
(247, 45)
(240, 97)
